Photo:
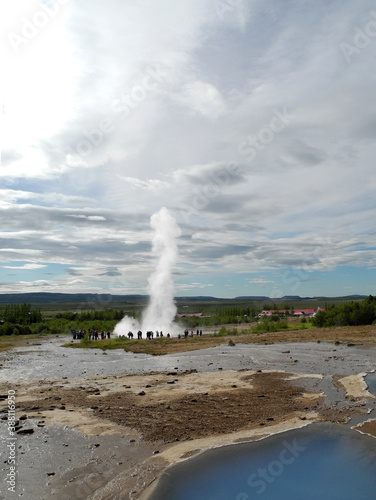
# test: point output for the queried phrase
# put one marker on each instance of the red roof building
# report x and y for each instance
(300, 313)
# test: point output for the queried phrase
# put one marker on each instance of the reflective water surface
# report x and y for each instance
(371, 382)
(320, 461)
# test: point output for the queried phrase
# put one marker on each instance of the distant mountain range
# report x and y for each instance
(45, 297)
(107, 298)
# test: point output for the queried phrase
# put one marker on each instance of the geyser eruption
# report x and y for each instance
(161, 310)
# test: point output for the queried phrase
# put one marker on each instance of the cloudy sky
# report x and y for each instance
(252, 121)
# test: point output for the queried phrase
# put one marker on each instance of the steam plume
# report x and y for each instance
(161, 310)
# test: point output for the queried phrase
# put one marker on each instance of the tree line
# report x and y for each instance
(16, 319)
(21, 314)
(105, 315)
(350, 314)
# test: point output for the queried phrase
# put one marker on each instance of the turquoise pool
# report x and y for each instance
(317, 462)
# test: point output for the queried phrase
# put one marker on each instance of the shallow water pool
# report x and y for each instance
(320, 461)
(371, 382)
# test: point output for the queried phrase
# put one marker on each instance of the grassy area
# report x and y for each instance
(157, 346)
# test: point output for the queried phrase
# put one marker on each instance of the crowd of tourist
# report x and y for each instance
(186, 333)
(93, 334)
(149, 335)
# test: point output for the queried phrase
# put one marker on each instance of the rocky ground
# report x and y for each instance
(109, 436)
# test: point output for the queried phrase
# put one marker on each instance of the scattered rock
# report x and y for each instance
(171, 381)
(142, 393)
(231, 343)
(25, 431)
(51, 473)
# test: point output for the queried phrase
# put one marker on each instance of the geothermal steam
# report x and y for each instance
(161, 310)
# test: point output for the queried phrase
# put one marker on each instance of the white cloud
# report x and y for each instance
(150, 185)
(81, 176)
(26, 266)
(260, 280)
(203, 98)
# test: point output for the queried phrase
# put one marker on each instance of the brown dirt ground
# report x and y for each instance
(260, 399)
(368, 428)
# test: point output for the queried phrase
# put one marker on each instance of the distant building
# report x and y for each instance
(297, 313)
(190, 315)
